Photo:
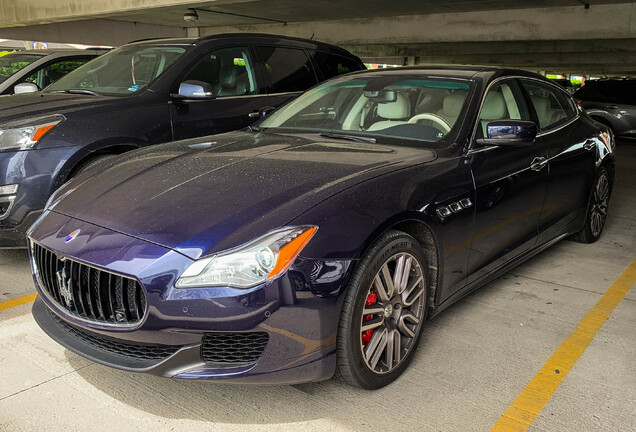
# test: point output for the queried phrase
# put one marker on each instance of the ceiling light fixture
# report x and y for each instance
(585, 5)
(191, 16)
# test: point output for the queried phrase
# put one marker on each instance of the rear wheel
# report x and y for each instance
(383, 312)
(597, 209)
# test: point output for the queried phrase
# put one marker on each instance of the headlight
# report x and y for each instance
(25, 135)
(250, 264)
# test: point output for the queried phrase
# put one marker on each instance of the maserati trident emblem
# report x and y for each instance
(65, 285)
(71, 236)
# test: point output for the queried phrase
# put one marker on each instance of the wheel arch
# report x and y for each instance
(88, 154)
(421, 230)
(602, 120)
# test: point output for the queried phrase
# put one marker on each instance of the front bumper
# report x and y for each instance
(298, 313)
(14, 236)
(36, 172)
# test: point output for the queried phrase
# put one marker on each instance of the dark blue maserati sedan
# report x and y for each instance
(320, 240)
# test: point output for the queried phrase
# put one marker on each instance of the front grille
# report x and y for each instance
(233, 348)
(143, 352)
(89, 293)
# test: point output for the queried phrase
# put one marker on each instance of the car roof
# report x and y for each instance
(61, 51)
(466, 72)
(307, 43)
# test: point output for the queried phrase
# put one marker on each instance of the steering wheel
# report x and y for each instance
(440, 122)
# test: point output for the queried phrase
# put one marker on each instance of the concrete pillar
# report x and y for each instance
(409, 61)
(193, 32)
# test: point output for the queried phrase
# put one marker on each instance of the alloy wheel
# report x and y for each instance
(600, 200)
(393, 313)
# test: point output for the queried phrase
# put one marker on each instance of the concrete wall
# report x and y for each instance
(601, 39)
(614, 21)
(91, 32)
(23, 12)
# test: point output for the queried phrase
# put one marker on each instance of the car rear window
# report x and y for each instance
(332, 65)
(12, 63)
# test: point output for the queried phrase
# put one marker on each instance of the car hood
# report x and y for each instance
(209, 194)
(24, 106)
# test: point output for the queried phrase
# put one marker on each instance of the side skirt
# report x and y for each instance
(495, 274)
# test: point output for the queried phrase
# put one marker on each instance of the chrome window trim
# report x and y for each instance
(67, 315)
(250, 95)
(285, 93)
(230, 97)
(471, 150)
(481, 149)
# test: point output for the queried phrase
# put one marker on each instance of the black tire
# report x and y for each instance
(90, 164)
(596, 209)
(363, 359)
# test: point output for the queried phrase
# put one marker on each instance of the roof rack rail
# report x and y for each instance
(147, 39)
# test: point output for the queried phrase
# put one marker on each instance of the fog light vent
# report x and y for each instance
(233, 349)
(5, 205)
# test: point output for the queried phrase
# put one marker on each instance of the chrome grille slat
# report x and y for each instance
(96, 295)
(50, 274)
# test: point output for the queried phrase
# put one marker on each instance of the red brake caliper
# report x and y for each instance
(372, 299)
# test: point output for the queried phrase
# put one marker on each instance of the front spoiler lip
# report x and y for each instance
(185, 359)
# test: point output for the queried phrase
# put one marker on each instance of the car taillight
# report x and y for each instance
(579, 101)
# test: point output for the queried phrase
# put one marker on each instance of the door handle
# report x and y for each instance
(589, 144)
(613, 107)
(263, 112)
(538, 163)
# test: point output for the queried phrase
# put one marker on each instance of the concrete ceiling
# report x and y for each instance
(247, 12)
(553, 36)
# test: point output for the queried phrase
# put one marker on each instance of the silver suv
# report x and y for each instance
(611, 102)
(39, 68)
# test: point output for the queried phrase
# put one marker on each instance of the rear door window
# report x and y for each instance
(286, 69)
(552, 106)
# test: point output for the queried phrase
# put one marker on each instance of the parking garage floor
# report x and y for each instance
(474, 360)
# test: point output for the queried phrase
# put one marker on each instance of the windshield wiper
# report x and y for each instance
(348, 137)
(78, 91)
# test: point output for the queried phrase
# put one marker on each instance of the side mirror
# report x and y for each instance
(193, 89)
(25, 88)
(513, 133)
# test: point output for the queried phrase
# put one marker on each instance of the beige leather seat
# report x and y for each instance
(452, 106)
(546, 114)
(395, 113)
(494, 108)
(541, 106)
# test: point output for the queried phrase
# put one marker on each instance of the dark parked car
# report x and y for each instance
(40, 68)
(325, 236)
(611, 102)
(146, 93)
(565, 83)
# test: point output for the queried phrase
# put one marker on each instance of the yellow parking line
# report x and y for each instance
(531, 401)
(17, 302)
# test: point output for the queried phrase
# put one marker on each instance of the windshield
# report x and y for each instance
(378, 106)
(121, 72)
(12, 63)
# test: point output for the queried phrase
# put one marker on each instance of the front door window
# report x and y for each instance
(230, 72)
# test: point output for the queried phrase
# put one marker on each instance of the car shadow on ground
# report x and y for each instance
(261, 404)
